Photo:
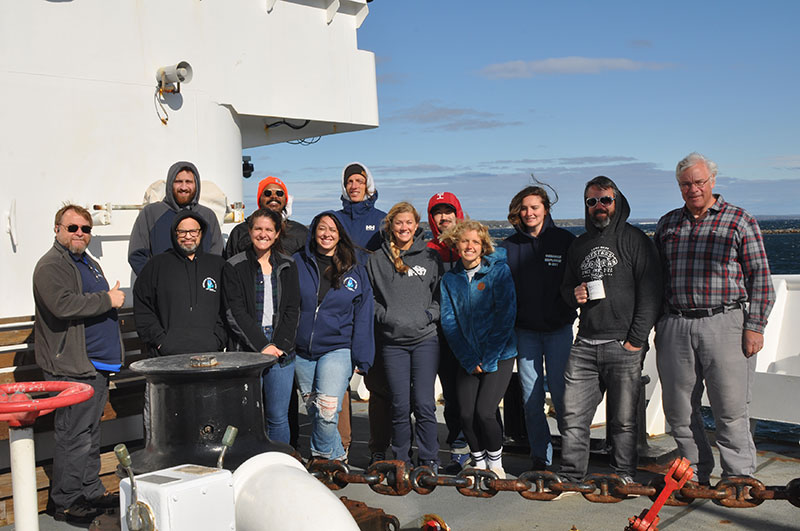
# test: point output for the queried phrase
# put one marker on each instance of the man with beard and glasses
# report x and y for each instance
(272, 194)
(614, 275)
(77, 340)
(177, 297)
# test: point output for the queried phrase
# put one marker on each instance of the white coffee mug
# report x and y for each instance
(596, 290)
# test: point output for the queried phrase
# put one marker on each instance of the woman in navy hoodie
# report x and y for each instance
(335, 332)
(262, 303)
(478, 311)
(537, 254)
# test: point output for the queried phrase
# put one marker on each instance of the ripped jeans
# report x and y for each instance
(322, 384)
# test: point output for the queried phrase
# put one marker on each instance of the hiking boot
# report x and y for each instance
(375, 457)
(538, 465)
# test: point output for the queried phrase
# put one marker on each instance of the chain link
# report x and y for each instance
(396, 478)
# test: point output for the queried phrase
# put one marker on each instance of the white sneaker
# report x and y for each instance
(498, 469)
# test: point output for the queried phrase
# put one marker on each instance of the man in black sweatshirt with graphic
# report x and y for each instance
(177, 297)
(614, 276)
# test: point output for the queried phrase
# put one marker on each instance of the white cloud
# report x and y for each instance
(436, 116)
(566, 65)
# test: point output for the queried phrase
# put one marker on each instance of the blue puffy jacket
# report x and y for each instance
(478, 317)
(344, 318)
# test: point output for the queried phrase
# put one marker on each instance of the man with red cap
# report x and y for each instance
(272, 194)
(444, 211)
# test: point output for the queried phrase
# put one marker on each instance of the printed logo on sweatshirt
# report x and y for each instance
(209, 284)
(553, 260)
(599, 263)
(350, 283)
(369, 227)
(417, 270)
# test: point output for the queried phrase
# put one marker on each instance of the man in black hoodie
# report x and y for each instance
(614, 275)
(177, 297)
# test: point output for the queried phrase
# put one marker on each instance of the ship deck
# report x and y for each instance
(778, 463)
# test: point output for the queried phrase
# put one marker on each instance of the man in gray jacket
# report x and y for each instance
(78, 340)
(151, 230)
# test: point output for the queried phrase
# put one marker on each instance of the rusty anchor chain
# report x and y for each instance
(396, 478)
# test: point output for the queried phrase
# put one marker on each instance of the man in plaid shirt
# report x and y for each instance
(718, 294)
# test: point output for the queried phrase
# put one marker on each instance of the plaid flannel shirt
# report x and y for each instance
(717, 260)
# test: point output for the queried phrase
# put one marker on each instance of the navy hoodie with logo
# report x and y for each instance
(344, 318)
(537, 265)
(627, 262)
(362, 220)
(177, 302)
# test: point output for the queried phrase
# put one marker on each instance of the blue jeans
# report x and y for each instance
(277, 385)
(591, 371)
(322, 383)
(535, 349)
(411, 369)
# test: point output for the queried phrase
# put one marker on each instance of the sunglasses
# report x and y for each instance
(87, 229)
(605, 200)
(268, 193)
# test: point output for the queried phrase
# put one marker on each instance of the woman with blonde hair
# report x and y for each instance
(405, 275)
(478, 311)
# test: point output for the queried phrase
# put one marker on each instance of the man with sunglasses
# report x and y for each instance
(272, 194)
(77, 339)
(715, 264)
(614, 276)
(151, 230)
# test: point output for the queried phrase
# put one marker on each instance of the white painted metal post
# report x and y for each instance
(23, 479)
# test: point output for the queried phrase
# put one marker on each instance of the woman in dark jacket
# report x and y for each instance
(262, 299)
(478, 310)
(537, 254)
(405, 275)
(335, 332)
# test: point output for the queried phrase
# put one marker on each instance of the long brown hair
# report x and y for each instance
(344, 256)
(515, 207)
(402, 207)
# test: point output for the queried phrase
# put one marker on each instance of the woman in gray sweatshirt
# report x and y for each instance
(405, 275)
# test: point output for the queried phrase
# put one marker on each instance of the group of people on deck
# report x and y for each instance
(361, 290)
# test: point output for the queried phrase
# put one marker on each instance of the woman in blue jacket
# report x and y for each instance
(335, 332)
(478, 306)
(262, 305)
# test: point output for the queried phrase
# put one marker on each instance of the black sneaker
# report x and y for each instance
(433, 465)
(109, 500)
(79, 513)
(538, 465)
(375, 457)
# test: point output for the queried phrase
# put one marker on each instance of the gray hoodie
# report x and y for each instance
(151, 230)
(406, 304)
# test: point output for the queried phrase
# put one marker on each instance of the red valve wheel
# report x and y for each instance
(19, 409)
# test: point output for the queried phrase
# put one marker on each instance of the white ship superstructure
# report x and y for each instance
(82, 119)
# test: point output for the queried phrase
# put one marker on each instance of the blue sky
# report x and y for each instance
(476, 96)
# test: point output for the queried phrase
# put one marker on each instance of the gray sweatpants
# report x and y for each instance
(707, 352)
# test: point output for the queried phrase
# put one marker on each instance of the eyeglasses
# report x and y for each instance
(189, 232)
(699, 184)
(605, 200)
(86, 229)
(268, 193)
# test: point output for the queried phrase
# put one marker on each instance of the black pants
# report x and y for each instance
(380, 406)
(76, 456)
(478, 398)
(448, 376)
